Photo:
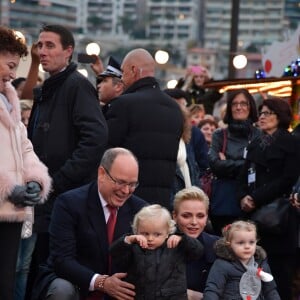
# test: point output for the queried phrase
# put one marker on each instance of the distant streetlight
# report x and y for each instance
(21, 36)
(92, 48)
(84, 72)
(239, 61)
(161, 57)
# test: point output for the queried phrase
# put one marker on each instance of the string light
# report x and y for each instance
(293, 69)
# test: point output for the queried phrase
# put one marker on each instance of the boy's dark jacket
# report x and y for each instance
(157, 274)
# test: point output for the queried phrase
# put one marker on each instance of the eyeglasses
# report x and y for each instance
(241, 104)
(121, 184)
(266, 113)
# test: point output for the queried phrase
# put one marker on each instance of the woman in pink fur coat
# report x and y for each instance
(24, 180)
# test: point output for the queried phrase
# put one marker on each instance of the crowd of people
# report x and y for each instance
(100, 190)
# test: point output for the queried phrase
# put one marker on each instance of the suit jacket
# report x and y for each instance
(78, 237)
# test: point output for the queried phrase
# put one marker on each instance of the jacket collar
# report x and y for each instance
(53, 82)
(142, 83)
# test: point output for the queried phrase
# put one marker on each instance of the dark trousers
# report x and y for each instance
(39, 256)
(283, 268)
(10, 236)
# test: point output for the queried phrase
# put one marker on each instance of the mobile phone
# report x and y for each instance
(86, 58)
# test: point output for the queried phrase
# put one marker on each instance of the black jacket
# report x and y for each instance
(149, 123)
(157, 274)
(68, 132)
(277, 170)
(198, 270)
(235, 146)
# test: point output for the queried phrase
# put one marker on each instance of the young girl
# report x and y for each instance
(153, 257)
(197, 113)
(240, 270)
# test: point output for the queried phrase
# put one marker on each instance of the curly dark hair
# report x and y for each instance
(281, 108)
(253, 110)
(10, 42)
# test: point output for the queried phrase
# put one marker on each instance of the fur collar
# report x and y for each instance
(224, 251)
(10, 119)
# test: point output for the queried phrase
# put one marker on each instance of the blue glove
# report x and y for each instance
(33, 187)
(32, 195)
(27, 195)
(17, 196)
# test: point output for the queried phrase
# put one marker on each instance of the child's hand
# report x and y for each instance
(137, 239)
(173, 241)
(142, 241)
(222, 156)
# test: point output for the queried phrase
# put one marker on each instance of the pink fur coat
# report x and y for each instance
(18, 162)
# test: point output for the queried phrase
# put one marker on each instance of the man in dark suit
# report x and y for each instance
(149, 123)
(79, 259)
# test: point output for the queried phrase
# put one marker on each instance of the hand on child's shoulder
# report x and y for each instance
(173, 241)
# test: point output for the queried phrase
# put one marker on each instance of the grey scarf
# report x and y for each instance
(250, 283)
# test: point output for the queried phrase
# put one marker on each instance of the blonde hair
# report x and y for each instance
(229, 230)
(196, 108)
(26, 104)
(191, 193)
(153, 211)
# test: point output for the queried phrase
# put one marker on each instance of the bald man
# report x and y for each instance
(149, 123)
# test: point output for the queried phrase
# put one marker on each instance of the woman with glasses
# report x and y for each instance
(271, 169)
(227, 157)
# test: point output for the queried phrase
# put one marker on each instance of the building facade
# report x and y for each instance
(179, 24)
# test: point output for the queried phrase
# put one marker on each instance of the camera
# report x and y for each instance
(86, 58)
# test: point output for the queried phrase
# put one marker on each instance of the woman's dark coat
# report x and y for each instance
(198, 270)
(228, 170)
(277, 170)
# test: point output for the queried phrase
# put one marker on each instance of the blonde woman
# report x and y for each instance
(191, 217)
